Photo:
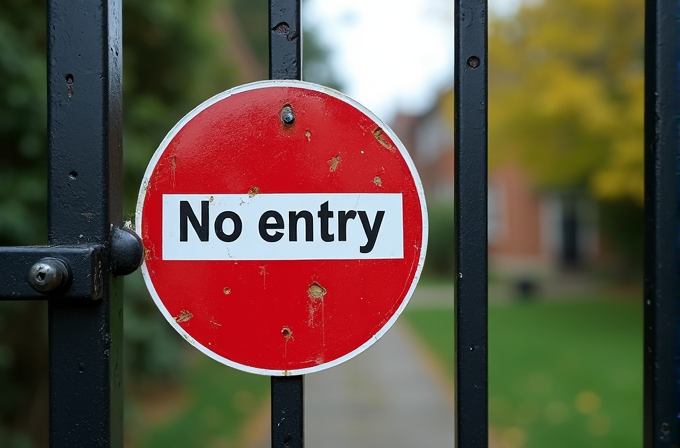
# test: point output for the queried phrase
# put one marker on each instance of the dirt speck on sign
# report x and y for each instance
(184, 316)
(308, 134)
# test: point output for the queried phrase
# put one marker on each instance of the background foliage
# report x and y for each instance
(566, 97)
(573, 72)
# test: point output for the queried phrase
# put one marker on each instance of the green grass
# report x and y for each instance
(561, 374)
(218, 401)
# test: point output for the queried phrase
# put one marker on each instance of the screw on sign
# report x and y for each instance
(284, 228)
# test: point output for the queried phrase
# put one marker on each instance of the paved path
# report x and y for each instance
(389, 396)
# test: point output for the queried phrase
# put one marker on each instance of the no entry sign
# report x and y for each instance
(284, 227)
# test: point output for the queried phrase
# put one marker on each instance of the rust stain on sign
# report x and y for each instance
(184, 316)
(378, 134)
(253, 192)
(334, 162)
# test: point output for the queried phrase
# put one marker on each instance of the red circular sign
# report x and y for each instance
(284, 227)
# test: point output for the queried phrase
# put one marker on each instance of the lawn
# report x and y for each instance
(562, 374)
(211, 409)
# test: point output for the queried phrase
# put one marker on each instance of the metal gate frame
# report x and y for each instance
(88, 248)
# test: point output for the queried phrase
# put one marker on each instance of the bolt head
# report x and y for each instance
(287, 115)
(48, 275)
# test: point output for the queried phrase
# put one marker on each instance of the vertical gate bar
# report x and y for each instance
(470, 114)
(662, 282)
(85, 156)
(285, 40)
(287, 411)
(285, 62)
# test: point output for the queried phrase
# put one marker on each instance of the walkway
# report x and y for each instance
(387, 397)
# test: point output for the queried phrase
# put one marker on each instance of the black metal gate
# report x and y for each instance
(78, 272)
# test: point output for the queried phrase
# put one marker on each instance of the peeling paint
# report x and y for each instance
(308, 134)
(226, 290)
(316, 291)
(378, 134)
(69, 85)
(253, 192)
(334, 162)
(378, 181)
(183, 316)
(147, 254)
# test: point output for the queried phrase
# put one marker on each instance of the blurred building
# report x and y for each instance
(532, 232)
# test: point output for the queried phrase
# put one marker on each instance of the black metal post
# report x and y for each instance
(471, 223)
(662, 273)
(84, 117)
(285, 62)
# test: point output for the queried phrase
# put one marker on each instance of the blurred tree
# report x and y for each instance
(566, 94)
(176, 54)
(566, 102)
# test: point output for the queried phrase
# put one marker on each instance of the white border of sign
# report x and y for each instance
(263, 85)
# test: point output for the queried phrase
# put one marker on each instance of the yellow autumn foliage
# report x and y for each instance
(566, 94)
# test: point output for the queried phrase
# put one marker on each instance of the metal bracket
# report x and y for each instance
(41, 272)
(66, 272)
